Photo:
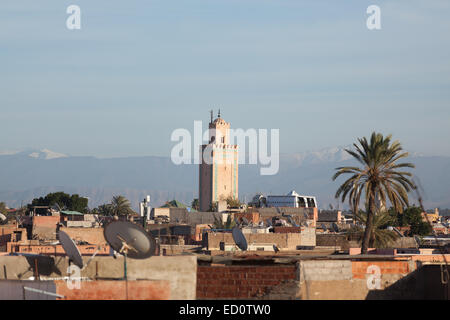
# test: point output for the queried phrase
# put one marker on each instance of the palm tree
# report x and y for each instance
(105, 209)
(378, 180)
(229, 224)
(381, 237)
(120, 206)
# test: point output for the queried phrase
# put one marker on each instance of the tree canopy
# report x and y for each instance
(412, 217)
(63, 200)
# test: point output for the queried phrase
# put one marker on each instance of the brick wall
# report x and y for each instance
(359, 268)
(241, 282)
(284, 241)
(332, 240)
(44, 227)
(287, 229)
(91, 235)
(7, 234)
(116, 290)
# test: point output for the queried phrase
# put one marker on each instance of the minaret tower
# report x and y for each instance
(218, 177)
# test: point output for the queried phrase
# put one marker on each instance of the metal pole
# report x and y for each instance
(125, 274)
(36, 271)
(41, 291)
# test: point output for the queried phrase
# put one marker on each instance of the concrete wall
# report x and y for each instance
(345, 279)
(82, 224)
(180, 271)
(194, 218)
(14, 290)
(55, 249)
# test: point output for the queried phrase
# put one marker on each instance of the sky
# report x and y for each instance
(138, 70)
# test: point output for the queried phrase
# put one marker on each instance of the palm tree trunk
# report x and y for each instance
(369, 224)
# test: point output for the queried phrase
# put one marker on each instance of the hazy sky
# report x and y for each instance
(137, 70)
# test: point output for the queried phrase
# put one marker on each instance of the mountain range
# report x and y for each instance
(33, 173)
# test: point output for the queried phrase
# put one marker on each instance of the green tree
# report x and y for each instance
(233, 202)
(121, 206)
(195, 204)
(412, 217)
(213, 207)
(380, 237)
(63, 200)
(3, 209)
(105, 209)
(378, 180)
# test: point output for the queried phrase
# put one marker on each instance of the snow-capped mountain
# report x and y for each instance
(334, 154)
(45, 154)
(33, 173)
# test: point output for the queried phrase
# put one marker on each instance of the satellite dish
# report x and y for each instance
(291, 221)
(335, 227)
(70, 249)
(245, 221)
(3, 218)
(324, 227)
(269, 222)
(275, 248)
(130, 239)
(239, 238)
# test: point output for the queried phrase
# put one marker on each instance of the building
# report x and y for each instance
(218, 174)
(292, 199)
(431, 217)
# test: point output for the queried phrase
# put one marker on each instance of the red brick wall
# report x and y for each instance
(7, 234)
(91, 235)
(44, 227)
(240, 282)
(116, 290)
